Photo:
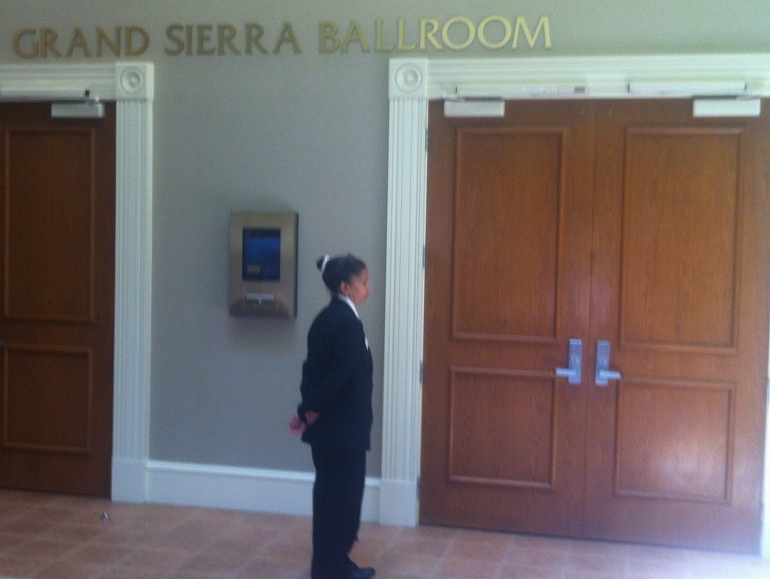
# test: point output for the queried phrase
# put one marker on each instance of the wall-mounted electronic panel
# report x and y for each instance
(263, 264)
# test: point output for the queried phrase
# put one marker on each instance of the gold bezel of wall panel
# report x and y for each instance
(264, 297)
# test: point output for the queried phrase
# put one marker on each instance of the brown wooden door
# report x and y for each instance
(58, 231)
(508, 284)
(681, 229)
(628, 222)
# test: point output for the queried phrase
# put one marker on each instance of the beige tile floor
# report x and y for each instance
(65, 537)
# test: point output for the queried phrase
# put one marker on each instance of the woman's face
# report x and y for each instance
(359, 287)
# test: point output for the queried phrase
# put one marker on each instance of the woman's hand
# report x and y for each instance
(311, 417)
(297, 427)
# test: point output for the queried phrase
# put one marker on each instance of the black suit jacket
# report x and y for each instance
(337, 380)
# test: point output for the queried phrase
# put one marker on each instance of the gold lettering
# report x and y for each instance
(458, 33)
(226, 35)
(131, 32)
(287, 36)
(204, 36)
(254, 34)
(48, 37)
(328, 31)
(429, 35)
(401, 46)
(355, 34)
(102, 38)
(188, 31)
(506, 29)
(458, 20)
(178, 47)
(543, 25)
(378, 40)
(34, 45)
(79, 40)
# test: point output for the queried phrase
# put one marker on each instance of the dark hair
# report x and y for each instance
(335, 270)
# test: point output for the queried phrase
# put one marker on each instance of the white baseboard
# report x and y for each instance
(249, 489)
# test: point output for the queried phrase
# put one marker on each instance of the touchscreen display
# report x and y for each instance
(261, 254)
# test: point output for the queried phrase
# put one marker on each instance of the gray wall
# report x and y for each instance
(304, 132)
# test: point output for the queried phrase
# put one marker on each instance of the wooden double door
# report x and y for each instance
(628, 226)
(57, 243)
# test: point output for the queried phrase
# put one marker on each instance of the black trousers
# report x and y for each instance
(337, 496)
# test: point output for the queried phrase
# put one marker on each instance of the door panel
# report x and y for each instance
(680, 197)
(62, 424)
(628, 222)
(505, 213)
(58, 230)
(483, 397)
(50, 206)
(685, 434)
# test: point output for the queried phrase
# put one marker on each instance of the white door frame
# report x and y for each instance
(412, 84)
(131, 85)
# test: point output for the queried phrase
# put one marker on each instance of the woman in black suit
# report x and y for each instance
(335, 417)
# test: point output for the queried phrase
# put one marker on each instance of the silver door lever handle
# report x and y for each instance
(573, 373)
(603, 372)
